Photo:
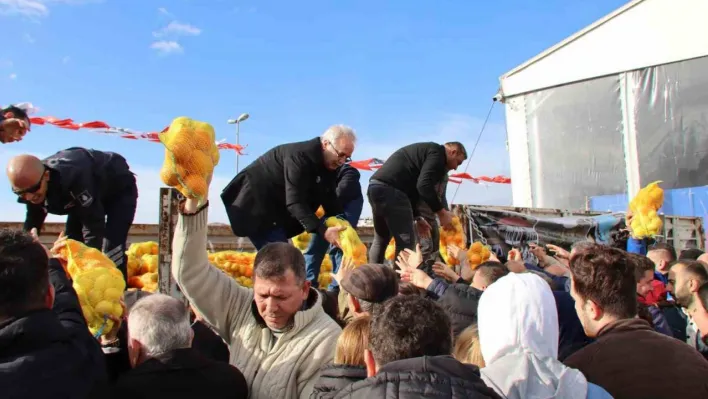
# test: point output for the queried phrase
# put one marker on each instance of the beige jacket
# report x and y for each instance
(288, 369)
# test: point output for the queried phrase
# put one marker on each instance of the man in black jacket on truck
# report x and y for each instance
(95, 189)
(276, 196)
(409, 175)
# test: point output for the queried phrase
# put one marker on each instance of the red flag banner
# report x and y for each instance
(103, 127)
(457, 178)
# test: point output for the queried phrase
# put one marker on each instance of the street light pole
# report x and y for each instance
(238, 121)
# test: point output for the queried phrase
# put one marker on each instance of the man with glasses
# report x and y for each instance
(276, 197)
(95, 189)
(409, 175)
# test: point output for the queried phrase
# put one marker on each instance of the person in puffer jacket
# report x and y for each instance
(409, 356)
(518, 333)
(349, 366)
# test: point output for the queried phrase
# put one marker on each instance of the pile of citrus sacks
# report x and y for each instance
(142, 265)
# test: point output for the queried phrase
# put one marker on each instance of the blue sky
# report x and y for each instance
(397, 71)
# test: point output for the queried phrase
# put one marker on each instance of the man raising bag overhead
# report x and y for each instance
(276, 196)
(95, 189)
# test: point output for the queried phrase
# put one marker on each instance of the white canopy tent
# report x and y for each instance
(617, 105)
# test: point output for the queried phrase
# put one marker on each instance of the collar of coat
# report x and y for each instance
(312, 307)
(31, 332)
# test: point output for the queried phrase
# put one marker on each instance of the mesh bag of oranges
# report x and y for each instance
(477, 254)
(142, 265)
(644, 206)
(191, 154)
(390, 253)
(352, 246)
(98, 284)
(237, 264)
(455, 237)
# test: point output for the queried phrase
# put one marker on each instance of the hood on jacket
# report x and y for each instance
(518, 333)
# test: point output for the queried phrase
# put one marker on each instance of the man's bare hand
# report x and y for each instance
(332, 235)
(423, 227)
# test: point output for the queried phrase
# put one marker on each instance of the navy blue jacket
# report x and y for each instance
(348, 185)
(80, 181)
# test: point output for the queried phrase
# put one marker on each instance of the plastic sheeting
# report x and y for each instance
(575, 135)
(671, 111)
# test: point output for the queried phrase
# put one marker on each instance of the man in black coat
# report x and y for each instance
(276, 196)
(95, 189)
(409, 175)
(46, 349)
(164, 363)
(352, 200)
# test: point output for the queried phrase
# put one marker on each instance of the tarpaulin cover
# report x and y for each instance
(671, 103)
(575, 143)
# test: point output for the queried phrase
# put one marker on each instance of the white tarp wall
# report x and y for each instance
(618, 105)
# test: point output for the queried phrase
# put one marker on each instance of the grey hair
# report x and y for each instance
(337, 132)
(579, 246)
(160, 323)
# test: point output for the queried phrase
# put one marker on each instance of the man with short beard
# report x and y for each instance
(604, 288)
(685, 279)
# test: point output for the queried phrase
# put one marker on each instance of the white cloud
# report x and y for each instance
(165, 47)
(13, 76)
(175, 28)
(35, 9)
(65, 60)
(28, 38)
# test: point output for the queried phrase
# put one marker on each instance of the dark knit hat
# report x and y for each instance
(371, 283)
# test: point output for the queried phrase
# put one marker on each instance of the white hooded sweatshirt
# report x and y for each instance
(518, 334)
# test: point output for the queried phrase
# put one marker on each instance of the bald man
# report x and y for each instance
(96, 190)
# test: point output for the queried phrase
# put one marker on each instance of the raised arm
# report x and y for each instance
(217, 297)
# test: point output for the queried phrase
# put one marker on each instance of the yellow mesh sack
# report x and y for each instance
(455, 237)
(237, 264)
(477, 254)
(190, 156)
(98, 284)
(302, 240)
(390, 253)
(352, 246)
(644, 206)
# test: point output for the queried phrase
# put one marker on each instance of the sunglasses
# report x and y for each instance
(31, 190)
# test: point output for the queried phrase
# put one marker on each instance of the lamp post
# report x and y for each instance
(238, 121)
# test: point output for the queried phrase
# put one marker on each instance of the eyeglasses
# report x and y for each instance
(31, 190)
(340, 154)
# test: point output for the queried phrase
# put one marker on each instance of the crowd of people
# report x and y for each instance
(592, 321)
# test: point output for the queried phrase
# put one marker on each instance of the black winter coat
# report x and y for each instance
(183, 373)
(81, 182)
(282, 188)
(416, 170)
(422, 377)
(460, 302)
(334, 377)
(51, 353)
